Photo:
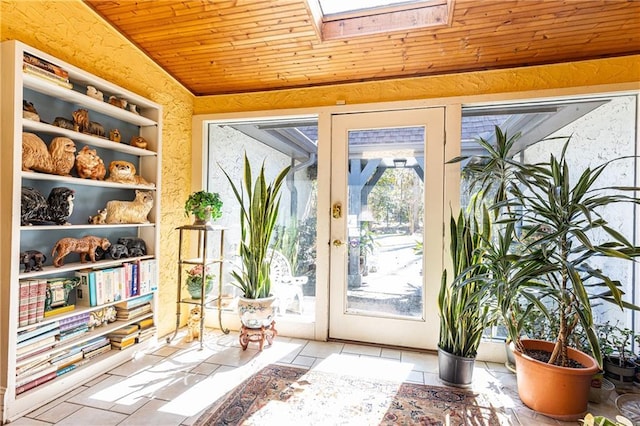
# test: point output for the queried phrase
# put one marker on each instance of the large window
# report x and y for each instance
(601, 130)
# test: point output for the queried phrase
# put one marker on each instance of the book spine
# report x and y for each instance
(127, 280)
(48, 77)
(33, 300)
(37, 382)
(36, 331)
(83, 297)
(135, 278)
(42, 295)
(99, 287)
(23, 304)
(35, 61)
(93, 300)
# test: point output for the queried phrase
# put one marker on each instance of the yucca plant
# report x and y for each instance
(463, 311)
(259, 205)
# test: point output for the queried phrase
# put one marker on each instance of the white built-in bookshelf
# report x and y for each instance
(61, 326)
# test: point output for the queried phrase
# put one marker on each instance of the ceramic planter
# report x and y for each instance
(195, 289)
(558, 392)
(454, 370)
(256, 313)
(621, 376)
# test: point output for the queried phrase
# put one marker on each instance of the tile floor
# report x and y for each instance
(173, 383)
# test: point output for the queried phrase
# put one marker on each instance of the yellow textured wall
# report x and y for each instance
(71, 31)
(556, 76)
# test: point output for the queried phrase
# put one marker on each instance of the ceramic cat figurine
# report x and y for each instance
(135, 211)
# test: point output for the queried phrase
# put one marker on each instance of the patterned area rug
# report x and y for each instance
(289, 395)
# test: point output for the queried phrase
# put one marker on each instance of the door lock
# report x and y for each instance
(336, 211)
(337, 243)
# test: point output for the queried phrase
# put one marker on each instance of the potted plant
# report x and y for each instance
(464, 313)
(195, 277)
(557, 215)
(259, 203)
(205, 206)
(619, 360)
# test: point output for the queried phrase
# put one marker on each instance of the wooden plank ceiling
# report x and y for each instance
(217, 47)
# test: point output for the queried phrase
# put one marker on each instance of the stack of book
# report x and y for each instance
(124, 337)
(37, 338)
(96, 347)
(74, 326)
(147, 329)
(134, 308)
(33, 366)
(46, 70)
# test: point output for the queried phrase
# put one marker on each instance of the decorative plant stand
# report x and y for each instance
(204, 231)
(257, 335)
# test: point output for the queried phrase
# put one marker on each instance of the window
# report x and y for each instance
(337, 19)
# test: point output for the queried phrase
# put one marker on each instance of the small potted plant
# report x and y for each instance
(194, 281)
(205, 206)
(619, 360)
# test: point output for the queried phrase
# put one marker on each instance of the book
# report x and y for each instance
(44, 65)
(99, 278)
(45, 76)
(47, 342)
(127, 314)
(122, 339)
(123, 345)
(58, 311)
(84, 289)
(95, 344)
(134, 279)
(65, 369)
(37, 338)
(106, 347)
(68, 360)
(125, 331)
(36, 382)
(31, 371)
(40, 301)
(42, 353)
(34, 376)
(35, 331)
(74, 321)
(73, 333)
(132, 303)
(23, 304)
(33, 300)
(145, 323)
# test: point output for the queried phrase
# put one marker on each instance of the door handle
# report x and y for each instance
(337, 243)
(336, 211)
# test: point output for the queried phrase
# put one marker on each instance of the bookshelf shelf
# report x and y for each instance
(47, 89)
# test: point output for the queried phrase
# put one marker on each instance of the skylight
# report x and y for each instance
(336, 19)
(330, 7)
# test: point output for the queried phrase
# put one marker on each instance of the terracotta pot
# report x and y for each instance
(558, 392)
(256, 313)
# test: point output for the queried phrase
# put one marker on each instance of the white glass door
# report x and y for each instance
(387, 226)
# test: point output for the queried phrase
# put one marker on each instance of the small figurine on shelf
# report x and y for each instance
(100, 218)
(138, 142)
(95, 93)
(29, 111)
(135, 211)
(85, 246)
(118, 251)
(36, 210)
(133, 108)
(135, 246)
(58, 159)
(89, 165)
(119, 102)
(114, 135)
(125, 172)
(33, 260)
(81, 120)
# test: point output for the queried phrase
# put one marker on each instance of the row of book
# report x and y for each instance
(33, 298)
(37, 366)
(100, 286)
(46, 70)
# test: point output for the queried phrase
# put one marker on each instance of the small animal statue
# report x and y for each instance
(89, 165)
(99, 218)
(193, 325)
(114, 135)
(138, 141)
(135, 211)
(29, 111)
(81, 120)
(135, 246)
(65, 123)
(125, 172)
(58, 159)
(95, 93)
(36, 210)
(85, 246)
(118, 251)
(119, 102)
(133, 108)
(33, 260)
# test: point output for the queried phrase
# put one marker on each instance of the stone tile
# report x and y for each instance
(92, 416)
(304, 361)
(421, 361)
(321, 349)
(139, 363)
(152, 413)
(233, 356)
(58, 412)
(26, 421)
(416, 377)
(205, 368)
(50, 405)
(362, 350)
(391, 353)
(165, 351)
